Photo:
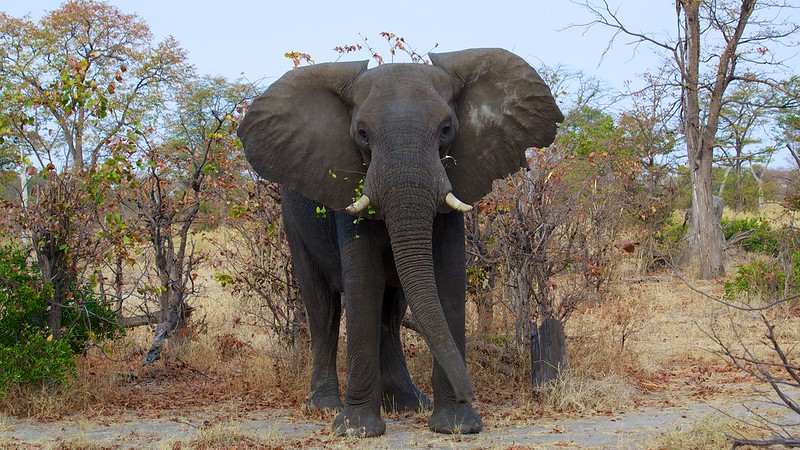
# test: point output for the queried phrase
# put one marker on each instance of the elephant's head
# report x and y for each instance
(405, 136)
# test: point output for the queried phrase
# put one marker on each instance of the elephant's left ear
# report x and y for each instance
(503, 108)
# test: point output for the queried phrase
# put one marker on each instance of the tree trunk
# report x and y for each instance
(760, 184)
(706, 241)
(174, 268)
(548, 351)
(55, 270)
(485, 312)
(519, 297)
(724, 181)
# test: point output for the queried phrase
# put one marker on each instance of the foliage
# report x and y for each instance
(760, 278)
(78, 86)
(254, 262)
(29, 354)
(87, 319)
(79, 79)
(38, 360)
(761, 236)
(588, 131)
(775, 275)
(668, 241)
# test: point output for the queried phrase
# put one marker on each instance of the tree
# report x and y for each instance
(719, 43)
(746, 111)
(647, 133)
(255, 262)
(182, 168)
(76, 85)
(80, 78)
(789, 129)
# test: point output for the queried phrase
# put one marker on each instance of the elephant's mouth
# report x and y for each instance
(450, 200)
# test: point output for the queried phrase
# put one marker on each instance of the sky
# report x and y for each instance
(249, 38)
(237, 38)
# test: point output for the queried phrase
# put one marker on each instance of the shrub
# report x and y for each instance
(766, 278)
(87, 318)
(29, 354)
(762, 240)
(760, 278)
(672, 233)
(36, 360)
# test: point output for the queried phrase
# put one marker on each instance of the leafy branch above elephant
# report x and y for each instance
(419, 143)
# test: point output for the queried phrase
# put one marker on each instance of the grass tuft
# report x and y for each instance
(223, 436)
(584, 395)
(708, 433)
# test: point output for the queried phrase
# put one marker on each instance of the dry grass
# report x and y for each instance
(709, 433)
(5, 422)
(586, 395)
(776, 214)
(79, 442)
(42, 402)
(646, 343)
(224, 436)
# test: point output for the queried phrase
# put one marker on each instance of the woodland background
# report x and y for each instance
(130, 214)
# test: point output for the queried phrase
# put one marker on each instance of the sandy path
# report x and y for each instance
(633, 429)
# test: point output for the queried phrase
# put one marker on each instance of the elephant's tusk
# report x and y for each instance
(453, 202)
(358, 205)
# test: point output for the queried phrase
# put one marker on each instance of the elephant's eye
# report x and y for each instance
(447, 130)
(363, 136)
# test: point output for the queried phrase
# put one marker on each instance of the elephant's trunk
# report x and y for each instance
(409, 208)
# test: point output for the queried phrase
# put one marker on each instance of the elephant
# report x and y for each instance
(377, 167)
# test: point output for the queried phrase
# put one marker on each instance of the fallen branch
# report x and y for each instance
(650, 279)
(138, 321)
(738, 238)
(786, 442)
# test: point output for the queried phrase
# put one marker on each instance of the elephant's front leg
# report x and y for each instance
(450, 416)
(364, 281)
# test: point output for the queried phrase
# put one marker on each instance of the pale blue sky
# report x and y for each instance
(231, 37)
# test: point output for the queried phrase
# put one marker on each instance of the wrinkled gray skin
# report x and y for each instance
(413, 133)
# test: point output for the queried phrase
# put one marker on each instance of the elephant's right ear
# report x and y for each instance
(298, 133)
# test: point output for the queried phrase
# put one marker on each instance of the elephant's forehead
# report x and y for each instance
(405, 78)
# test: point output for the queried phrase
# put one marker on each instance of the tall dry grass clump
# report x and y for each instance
(225, 436)
(709, 433)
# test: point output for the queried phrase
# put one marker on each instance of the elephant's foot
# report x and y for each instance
(358, 423)
(455, 418)
(408, 399)
(325, 402)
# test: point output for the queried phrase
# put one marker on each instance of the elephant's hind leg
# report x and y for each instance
(399, 392)
(324, 311)
(324, 379)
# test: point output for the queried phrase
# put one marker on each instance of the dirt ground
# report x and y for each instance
(672, 384)
(639, 428)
